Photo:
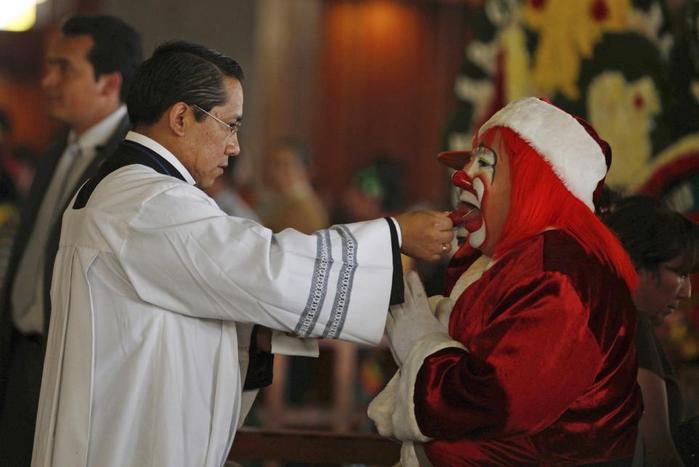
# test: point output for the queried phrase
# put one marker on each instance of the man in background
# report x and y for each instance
(89, 63)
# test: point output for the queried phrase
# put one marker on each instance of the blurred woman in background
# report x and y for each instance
(664, 248)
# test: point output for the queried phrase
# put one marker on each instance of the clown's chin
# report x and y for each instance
(477, 238)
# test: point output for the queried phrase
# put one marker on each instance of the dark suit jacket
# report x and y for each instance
(28, 216)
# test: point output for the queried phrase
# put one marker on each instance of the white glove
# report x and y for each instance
(410, 321)
(443, 311)
(441, 307)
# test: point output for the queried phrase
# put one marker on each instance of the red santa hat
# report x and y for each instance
(571, 147)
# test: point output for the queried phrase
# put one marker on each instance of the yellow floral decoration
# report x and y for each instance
(568, 32)
(623, 113)
(516, 63)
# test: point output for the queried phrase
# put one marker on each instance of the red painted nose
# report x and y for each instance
(461, 180)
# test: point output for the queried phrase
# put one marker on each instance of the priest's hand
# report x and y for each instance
(412, 320)
(425, 235)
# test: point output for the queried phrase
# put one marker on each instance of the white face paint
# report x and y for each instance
(484, 198)
(477, 238)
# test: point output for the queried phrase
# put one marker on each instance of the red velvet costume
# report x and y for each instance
(549, 376)
(537, 366)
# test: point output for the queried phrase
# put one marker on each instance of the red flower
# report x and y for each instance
(599, 10)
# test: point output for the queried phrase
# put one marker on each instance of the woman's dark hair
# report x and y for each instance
(652, 233)
(116, 45)
(179, 72)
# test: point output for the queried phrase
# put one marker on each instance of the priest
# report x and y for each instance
(152, 278)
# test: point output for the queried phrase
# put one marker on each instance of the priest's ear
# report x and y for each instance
(179, 117)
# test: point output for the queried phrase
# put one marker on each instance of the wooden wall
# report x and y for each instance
(387, 70)
(20, 89)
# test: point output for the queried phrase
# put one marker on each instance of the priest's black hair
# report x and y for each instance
(179, 71)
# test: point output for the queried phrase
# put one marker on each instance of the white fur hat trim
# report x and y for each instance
(564, 143)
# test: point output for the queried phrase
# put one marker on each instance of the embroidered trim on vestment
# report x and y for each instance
(319, 285)
(344, 283)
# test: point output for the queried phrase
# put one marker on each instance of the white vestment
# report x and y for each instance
(150, 279)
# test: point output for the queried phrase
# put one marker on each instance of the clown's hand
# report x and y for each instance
(410, 321)
(441, 307)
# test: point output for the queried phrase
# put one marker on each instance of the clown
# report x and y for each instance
(529, 359)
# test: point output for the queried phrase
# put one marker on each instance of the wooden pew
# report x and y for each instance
(313, 447)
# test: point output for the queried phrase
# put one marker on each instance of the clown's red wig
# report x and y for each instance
(540, 201)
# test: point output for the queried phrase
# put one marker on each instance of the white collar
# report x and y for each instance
(158, 148)
(99, 133)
